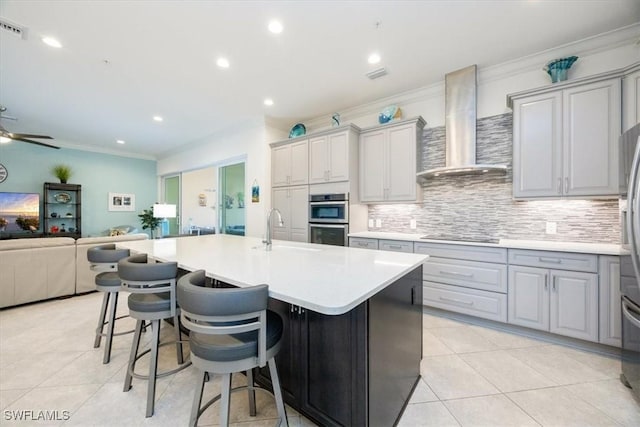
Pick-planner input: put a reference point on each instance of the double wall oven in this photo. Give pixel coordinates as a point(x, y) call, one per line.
point(329, 218)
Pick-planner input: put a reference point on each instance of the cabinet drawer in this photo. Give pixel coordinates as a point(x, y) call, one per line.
point(469, 274)
point(468, 253)
point(488, 305)
point(359, 242)
point(554, 260)
point(395, 245)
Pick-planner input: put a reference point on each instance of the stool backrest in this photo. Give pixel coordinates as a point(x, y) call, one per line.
point(105, 257)
point(141, 277)
point(224, 311)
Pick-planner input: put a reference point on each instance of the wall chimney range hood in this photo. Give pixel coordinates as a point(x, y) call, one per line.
point(460, 127)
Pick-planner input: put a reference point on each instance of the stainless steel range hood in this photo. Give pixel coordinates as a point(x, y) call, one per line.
point(460, 127)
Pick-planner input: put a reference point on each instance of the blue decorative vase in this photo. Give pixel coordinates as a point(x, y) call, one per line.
point(557, 69)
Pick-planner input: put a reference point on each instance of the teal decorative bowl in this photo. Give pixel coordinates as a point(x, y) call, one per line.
point(297, 130)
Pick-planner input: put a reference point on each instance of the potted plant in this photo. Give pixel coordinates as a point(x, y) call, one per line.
point(3, 223)
point(149, 221)
point(62, 172)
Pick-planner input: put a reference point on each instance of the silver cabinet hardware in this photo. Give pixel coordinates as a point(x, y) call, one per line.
point(566, 185)
point(457, 301)
point(546, 281)
point(551, 260)
point(455, 273)
point(559, 185)
point(554, 283)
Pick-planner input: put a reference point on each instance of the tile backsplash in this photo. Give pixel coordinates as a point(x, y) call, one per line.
point(481, 206)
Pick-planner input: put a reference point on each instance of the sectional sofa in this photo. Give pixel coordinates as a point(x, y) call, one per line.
point(42, 268)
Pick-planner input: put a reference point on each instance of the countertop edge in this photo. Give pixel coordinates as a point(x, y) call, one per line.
point(541, 245)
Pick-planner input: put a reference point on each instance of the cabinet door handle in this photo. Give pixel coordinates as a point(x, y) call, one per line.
point(455, 273)
point(457, 301)
point(566, 185)
point(546, 281)
point(394, 246)
point(554, 283)
point(559, 185)
point(551, 260)
point(413, 295)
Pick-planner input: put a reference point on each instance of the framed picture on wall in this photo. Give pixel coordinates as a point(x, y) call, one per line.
point(122, 202)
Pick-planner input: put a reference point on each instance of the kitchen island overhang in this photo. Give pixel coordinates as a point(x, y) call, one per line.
point(353, 318)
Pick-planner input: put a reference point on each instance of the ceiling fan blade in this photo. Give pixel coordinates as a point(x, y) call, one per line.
point(28, 135)
point(35, 142)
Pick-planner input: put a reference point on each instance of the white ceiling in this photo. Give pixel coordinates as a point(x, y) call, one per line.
point(124, 61)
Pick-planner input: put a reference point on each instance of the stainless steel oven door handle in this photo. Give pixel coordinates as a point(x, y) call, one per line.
point(340, 203)
point(326, 226)
point(629, 315)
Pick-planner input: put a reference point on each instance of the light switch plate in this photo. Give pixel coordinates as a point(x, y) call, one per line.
point(378, 223)
point(552, 227)
point(412, 224)
point(371, 223)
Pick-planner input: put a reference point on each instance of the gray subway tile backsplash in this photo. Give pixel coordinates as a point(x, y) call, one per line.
point(482, 206)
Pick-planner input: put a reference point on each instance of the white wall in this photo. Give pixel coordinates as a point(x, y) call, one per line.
point(196, 182)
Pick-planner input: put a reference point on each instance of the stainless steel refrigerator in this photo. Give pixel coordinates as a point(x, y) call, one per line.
point(630, 264)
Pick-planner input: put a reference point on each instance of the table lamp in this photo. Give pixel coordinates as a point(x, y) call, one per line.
point(164, 211)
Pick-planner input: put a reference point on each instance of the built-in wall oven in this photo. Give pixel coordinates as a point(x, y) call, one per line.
point(329, 218)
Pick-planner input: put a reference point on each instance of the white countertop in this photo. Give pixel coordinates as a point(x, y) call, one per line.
point(590, 248)
point(327, 279)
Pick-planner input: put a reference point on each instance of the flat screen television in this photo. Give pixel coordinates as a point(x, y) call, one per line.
point(19, 212)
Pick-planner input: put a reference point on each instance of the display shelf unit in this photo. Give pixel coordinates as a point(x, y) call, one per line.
point(62, 209)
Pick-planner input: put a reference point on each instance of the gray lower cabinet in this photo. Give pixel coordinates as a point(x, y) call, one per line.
point(459, 278)
point(559, 301)
point(610, 307)
point(364, 243)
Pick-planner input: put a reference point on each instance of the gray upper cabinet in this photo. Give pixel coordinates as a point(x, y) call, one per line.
point(333, 156)
point(631, 97)
point(388, 162)
point(565, 139)
point(290, 164)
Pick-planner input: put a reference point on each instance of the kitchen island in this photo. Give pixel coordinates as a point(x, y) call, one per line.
point(353, 319)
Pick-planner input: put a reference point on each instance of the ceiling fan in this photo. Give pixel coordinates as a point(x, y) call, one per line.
point(24, 137)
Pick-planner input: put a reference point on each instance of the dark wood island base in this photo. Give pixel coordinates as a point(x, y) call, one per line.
point(354, 369)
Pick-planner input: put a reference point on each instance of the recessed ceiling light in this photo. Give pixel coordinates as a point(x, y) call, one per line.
point(268, 102)
point(275, 27)
point(50, 41)
point(158, 118)
point(119, 141)
point(374, 58)
point(223, 62)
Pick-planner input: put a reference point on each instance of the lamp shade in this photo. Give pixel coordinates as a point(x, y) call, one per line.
point(161, 210)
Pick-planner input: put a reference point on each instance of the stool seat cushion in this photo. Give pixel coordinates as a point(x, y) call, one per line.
point(108, 278)
point(226, 348)
point(150, 303)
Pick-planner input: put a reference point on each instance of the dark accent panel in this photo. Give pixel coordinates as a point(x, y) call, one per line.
point(332, 393)
point(395, 347)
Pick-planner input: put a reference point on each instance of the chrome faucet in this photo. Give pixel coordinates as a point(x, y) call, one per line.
point(267, 241)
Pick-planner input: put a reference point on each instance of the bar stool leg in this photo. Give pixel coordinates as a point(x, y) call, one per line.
point(153, 367)
point(132, 356)
point(252, 393)
point(103, 313)
point(110, 327)
point(197, 401)
point(176, 326)
point(225, 399)
point(277, 392)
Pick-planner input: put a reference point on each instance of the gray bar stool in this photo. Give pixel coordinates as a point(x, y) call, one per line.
point(104, 259)
point(152, 299)
point(231, 330)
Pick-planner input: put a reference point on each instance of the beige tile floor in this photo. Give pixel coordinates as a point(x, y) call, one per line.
point(471, 376)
